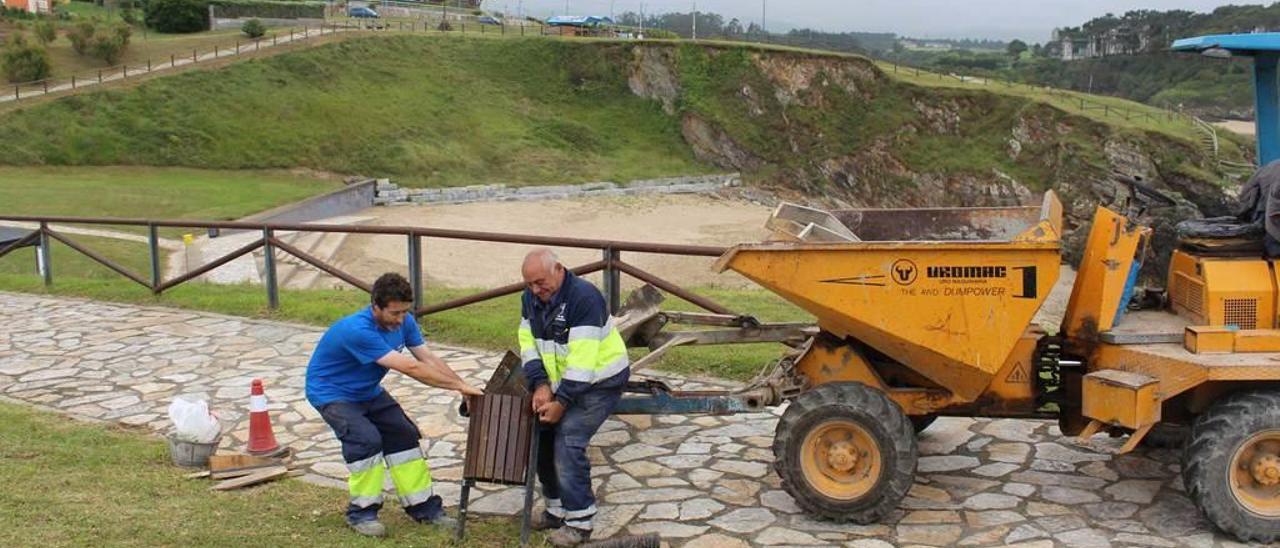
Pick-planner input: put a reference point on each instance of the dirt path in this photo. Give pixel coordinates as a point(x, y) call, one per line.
point(701, 220)
point(165, 243)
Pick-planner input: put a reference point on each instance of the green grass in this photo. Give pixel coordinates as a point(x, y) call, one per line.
point(441, 111)
point(151, 193)
point(64, 483)
point(487, 326)
point(71, 263)
point(1112, 111)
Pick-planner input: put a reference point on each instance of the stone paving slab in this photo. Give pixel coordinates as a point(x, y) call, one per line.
point(698, 481)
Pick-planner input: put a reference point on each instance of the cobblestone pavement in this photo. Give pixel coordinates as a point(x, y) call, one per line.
point(698, 481)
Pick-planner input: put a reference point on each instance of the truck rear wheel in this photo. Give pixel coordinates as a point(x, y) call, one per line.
point(1231, 465)
point(845, 452)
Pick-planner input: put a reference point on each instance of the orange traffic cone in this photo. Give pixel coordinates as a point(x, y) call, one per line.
point(262, 440)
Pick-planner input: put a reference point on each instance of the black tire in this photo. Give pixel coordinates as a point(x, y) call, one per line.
point(882, 420)
point(1166, 435)
point(1216, 436)
point(920, 423)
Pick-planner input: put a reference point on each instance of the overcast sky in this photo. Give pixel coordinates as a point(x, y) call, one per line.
point(1030, 20)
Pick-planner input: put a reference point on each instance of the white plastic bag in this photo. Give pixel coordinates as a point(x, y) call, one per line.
point(192, 421)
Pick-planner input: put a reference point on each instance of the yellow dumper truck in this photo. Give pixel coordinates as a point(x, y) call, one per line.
point(928, 312)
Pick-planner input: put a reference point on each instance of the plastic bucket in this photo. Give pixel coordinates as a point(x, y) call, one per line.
point(194, 455)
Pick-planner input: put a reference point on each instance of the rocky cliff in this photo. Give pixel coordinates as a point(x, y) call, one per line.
point(837, 131)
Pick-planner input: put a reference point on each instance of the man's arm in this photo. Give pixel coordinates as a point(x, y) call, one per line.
point(433, 373)
point(425, 355)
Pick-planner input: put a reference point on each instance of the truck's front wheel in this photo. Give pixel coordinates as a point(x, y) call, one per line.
point(845, 451)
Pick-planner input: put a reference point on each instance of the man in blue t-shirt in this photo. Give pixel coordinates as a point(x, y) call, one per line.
point(344, 384)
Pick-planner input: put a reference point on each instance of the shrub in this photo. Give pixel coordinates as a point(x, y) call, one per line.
point(177, 15)
point(23, 61)
point(46, 32)
point(253, 28)
point(109, 44)
point(129, 15)
point(444, 26)
point(81, 35)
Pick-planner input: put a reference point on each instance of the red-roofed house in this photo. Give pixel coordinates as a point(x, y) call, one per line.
point(33, 6)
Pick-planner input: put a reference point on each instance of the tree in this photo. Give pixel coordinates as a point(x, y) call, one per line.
point(253, 28)
point(1017, 48)
point(23, 61)
point(177, 16)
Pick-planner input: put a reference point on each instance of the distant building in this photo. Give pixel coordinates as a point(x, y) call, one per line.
point(33, 6)
point(1071, 46)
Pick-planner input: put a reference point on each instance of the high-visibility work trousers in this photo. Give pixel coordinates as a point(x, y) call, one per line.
point(378, 437)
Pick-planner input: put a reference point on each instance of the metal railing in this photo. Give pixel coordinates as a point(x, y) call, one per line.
point(611, 263)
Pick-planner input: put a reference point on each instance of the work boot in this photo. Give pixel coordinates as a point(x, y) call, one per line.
point(545, 521)
point(443, 520)
point(371, 528)
point(568, 536)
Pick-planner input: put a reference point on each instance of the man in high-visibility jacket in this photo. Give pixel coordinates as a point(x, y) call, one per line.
point(576, 365)
point(344, 384)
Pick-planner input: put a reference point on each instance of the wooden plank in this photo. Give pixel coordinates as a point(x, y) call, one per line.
point(196, 475)
point(473, 433)
point(237, 460)
point(486, 435)
point(268, 474)
point(495, 437)
point(503, 438)
point(508, 439)
point(513, 437)
point(483, 441)
point(237, 472)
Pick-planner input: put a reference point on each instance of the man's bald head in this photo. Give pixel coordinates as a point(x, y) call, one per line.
point(543, 273)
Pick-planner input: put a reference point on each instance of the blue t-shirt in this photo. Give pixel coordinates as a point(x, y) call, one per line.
point(344, 365)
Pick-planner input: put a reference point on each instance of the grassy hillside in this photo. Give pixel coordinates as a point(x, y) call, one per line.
point(426, 110)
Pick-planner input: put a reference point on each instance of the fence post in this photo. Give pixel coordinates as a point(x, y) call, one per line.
point(17, 92)
point(269, 268)
point(124, 70)
point(46, 261)
point(1106, 110)
point(46, 85)
point(173, 60)
point(153, 243)
point(194, 56)
point(612, 279)
point(257, 44)
point(73, 81)
point(415, 269)
point(237, 47)
point(99, 76)
point(148, 64)
point(215, 51)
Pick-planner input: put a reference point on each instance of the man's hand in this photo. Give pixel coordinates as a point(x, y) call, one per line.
point(541, 395)
point(468, 390)
point(551, 412)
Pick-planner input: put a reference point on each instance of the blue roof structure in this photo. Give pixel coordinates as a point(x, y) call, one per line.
point(578, 21)
point(1237, 44)
point(1264, 48)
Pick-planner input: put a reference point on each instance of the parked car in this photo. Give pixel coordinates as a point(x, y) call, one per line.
point(363, 12)
point(488, 20)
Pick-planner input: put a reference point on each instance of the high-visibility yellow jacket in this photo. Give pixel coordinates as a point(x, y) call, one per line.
point(570, 343)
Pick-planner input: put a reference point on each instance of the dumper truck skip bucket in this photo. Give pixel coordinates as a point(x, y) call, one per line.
point(947, 293)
